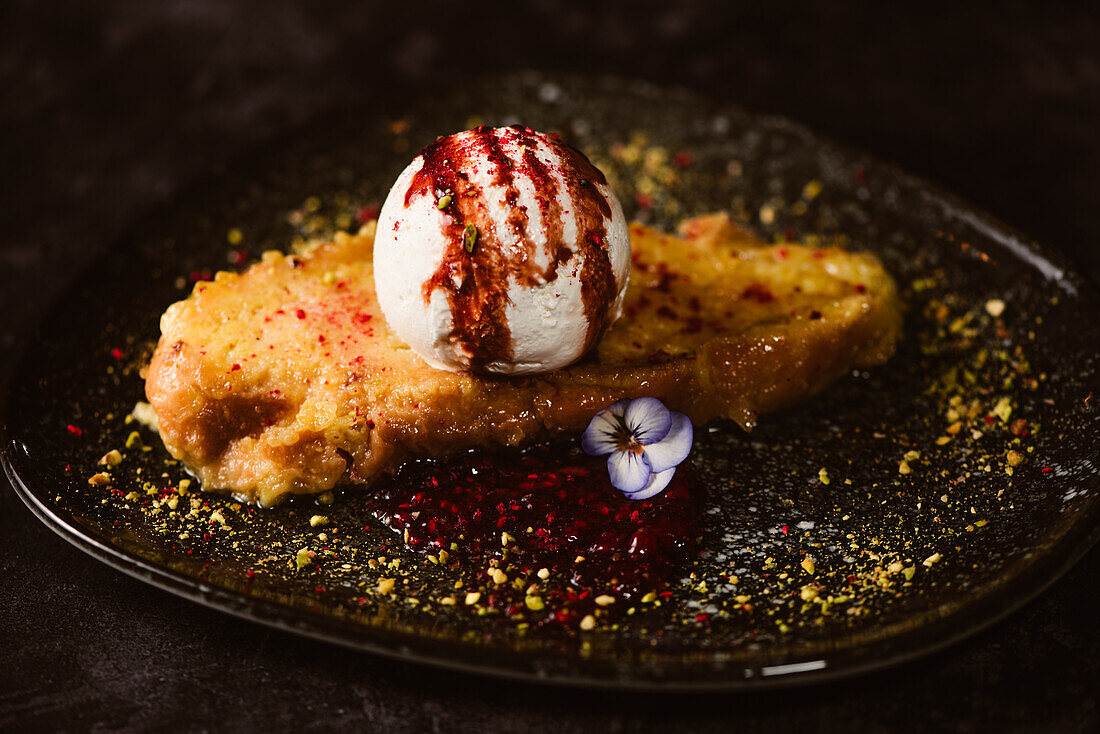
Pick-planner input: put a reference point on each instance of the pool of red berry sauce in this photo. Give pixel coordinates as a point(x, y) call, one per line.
point(556, 504)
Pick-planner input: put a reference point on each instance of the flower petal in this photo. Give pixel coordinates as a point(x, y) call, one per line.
point(656, 484)
point(674, 447)
point(618, 408)
point(647, 419)
point(600, 436)
point(629, 471)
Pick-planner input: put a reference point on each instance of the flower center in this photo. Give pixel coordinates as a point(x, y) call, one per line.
point(626, 441)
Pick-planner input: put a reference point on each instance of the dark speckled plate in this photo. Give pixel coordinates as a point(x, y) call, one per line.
point(897, 512)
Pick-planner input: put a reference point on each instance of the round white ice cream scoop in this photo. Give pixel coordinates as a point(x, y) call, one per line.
point(501, 251)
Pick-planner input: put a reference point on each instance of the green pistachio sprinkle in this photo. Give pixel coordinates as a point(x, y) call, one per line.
point(443, 203)
point(301, 558)
point(469, 240)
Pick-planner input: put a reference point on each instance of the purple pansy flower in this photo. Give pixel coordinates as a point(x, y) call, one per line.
point(646, 442)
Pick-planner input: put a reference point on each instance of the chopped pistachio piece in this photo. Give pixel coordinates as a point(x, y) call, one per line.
point(469, 238)
point(302, 558)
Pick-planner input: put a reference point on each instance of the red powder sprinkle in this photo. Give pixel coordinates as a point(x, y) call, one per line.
point(366, 213)
point(683, 159)
point(1048, 469)
point(116, 353)
point(781, 253)
point(301, 313)
point(860, 288)
point(235, 367)
point(758, 292)
point(664, 279)
point(644, 200)
point(785, 529)
point(74, 430)
point(320, 590)
point(240, 257)
point(250, 573)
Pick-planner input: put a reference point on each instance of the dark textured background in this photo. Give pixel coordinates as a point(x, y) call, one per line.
point(108, 109)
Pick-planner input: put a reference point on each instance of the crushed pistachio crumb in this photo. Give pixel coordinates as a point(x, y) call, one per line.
point(303, 557)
